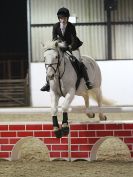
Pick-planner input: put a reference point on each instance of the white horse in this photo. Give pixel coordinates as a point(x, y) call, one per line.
point(62, 78)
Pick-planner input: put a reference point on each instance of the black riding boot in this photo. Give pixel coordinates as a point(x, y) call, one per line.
point(85, 76)
point(46, 87)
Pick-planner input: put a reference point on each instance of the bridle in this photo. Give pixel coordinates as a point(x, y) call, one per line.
point(52, 66)
point(58, 64)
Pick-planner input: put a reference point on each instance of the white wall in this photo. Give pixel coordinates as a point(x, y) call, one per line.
point(117, 83)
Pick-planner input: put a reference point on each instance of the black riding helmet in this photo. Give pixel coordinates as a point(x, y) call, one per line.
point(63, 12)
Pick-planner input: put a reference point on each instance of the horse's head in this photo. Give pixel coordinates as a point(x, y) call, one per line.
point(52, 58)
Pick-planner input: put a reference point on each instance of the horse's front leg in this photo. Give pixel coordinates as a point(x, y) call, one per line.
point(68, 99)
point(54, 111)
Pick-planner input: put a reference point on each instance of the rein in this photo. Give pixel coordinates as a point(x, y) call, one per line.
point(59, 78)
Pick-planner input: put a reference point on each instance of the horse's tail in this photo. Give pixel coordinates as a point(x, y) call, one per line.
point(105, 101)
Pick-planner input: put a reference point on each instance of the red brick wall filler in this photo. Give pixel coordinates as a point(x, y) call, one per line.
point(82, 143)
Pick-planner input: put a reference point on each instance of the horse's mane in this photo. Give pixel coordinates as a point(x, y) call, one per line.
point(50, 44)
point(54, 45)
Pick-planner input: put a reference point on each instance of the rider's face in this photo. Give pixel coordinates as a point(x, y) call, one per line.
point(63, 20)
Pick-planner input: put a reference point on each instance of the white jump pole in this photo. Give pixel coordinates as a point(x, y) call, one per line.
point(115, 109)
point(95, 109)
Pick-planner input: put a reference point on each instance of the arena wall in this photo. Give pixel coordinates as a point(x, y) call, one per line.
point(117, 84)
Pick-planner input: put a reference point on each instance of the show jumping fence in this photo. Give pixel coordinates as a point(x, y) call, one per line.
point(82, 142)
point(77, 109)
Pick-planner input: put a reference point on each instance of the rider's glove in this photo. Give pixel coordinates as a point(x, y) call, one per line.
point(67, 48)
point(70, 48)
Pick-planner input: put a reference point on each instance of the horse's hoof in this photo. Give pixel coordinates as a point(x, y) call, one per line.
point(57, 132)
point(65, 129)
point(103, 119)
point(91, 115)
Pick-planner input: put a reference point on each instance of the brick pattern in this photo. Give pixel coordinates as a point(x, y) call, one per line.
point(11, 133)
point(85, 136)
point(78, 145)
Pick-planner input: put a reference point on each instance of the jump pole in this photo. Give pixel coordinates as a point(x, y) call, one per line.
point(80, 109)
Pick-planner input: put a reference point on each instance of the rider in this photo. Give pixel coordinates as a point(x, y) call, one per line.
point(65, 31)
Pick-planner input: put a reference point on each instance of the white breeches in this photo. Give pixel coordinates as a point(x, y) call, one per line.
point(76, 53)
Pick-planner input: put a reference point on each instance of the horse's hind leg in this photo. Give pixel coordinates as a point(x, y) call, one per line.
point(99, 101)
point(86, 100)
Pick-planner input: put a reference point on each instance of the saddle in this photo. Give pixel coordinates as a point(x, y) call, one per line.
point(76, 65)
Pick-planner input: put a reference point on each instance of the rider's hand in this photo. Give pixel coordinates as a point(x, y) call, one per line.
point(64, 49)
point(67, 48)
point(70, 48)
